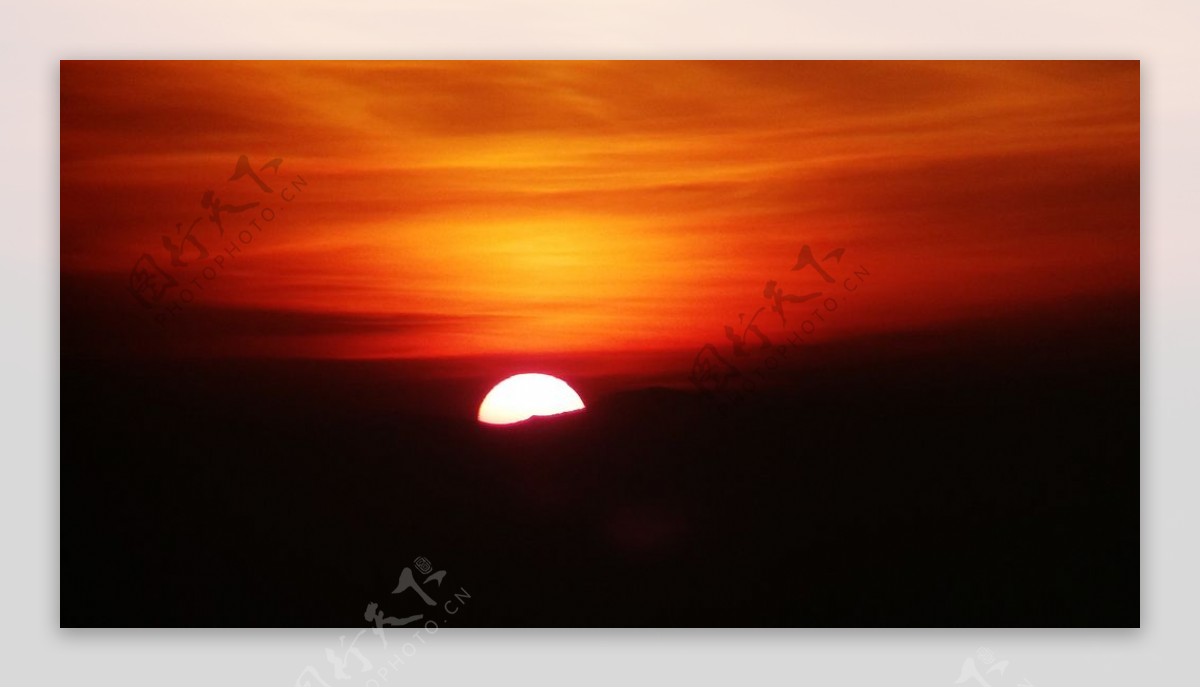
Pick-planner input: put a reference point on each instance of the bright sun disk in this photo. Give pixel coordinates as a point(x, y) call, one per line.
point(524, 396)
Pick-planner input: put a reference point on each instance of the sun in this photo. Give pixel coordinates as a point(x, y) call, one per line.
point(524, 396)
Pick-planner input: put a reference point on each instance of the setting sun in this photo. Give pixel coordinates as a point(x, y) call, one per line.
point(522, 397)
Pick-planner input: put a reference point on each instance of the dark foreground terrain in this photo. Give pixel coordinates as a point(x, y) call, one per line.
point(985, 480)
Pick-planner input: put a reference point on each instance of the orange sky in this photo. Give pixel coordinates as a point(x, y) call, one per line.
point(467, 208)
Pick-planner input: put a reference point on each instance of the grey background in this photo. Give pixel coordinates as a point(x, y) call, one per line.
point(34, 36)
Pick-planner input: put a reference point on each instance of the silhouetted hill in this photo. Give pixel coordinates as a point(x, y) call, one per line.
point(991, 486)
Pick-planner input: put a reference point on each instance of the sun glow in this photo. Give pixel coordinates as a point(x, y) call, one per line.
point(522, 397)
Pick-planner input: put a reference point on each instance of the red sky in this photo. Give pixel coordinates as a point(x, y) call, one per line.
point(486, 208)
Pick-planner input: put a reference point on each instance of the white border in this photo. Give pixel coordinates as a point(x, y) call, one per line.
point(34, 36)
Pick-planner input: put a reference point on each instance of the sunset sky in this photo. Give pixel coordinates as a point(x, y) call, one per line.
point(498, 312)
point(481, 208)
